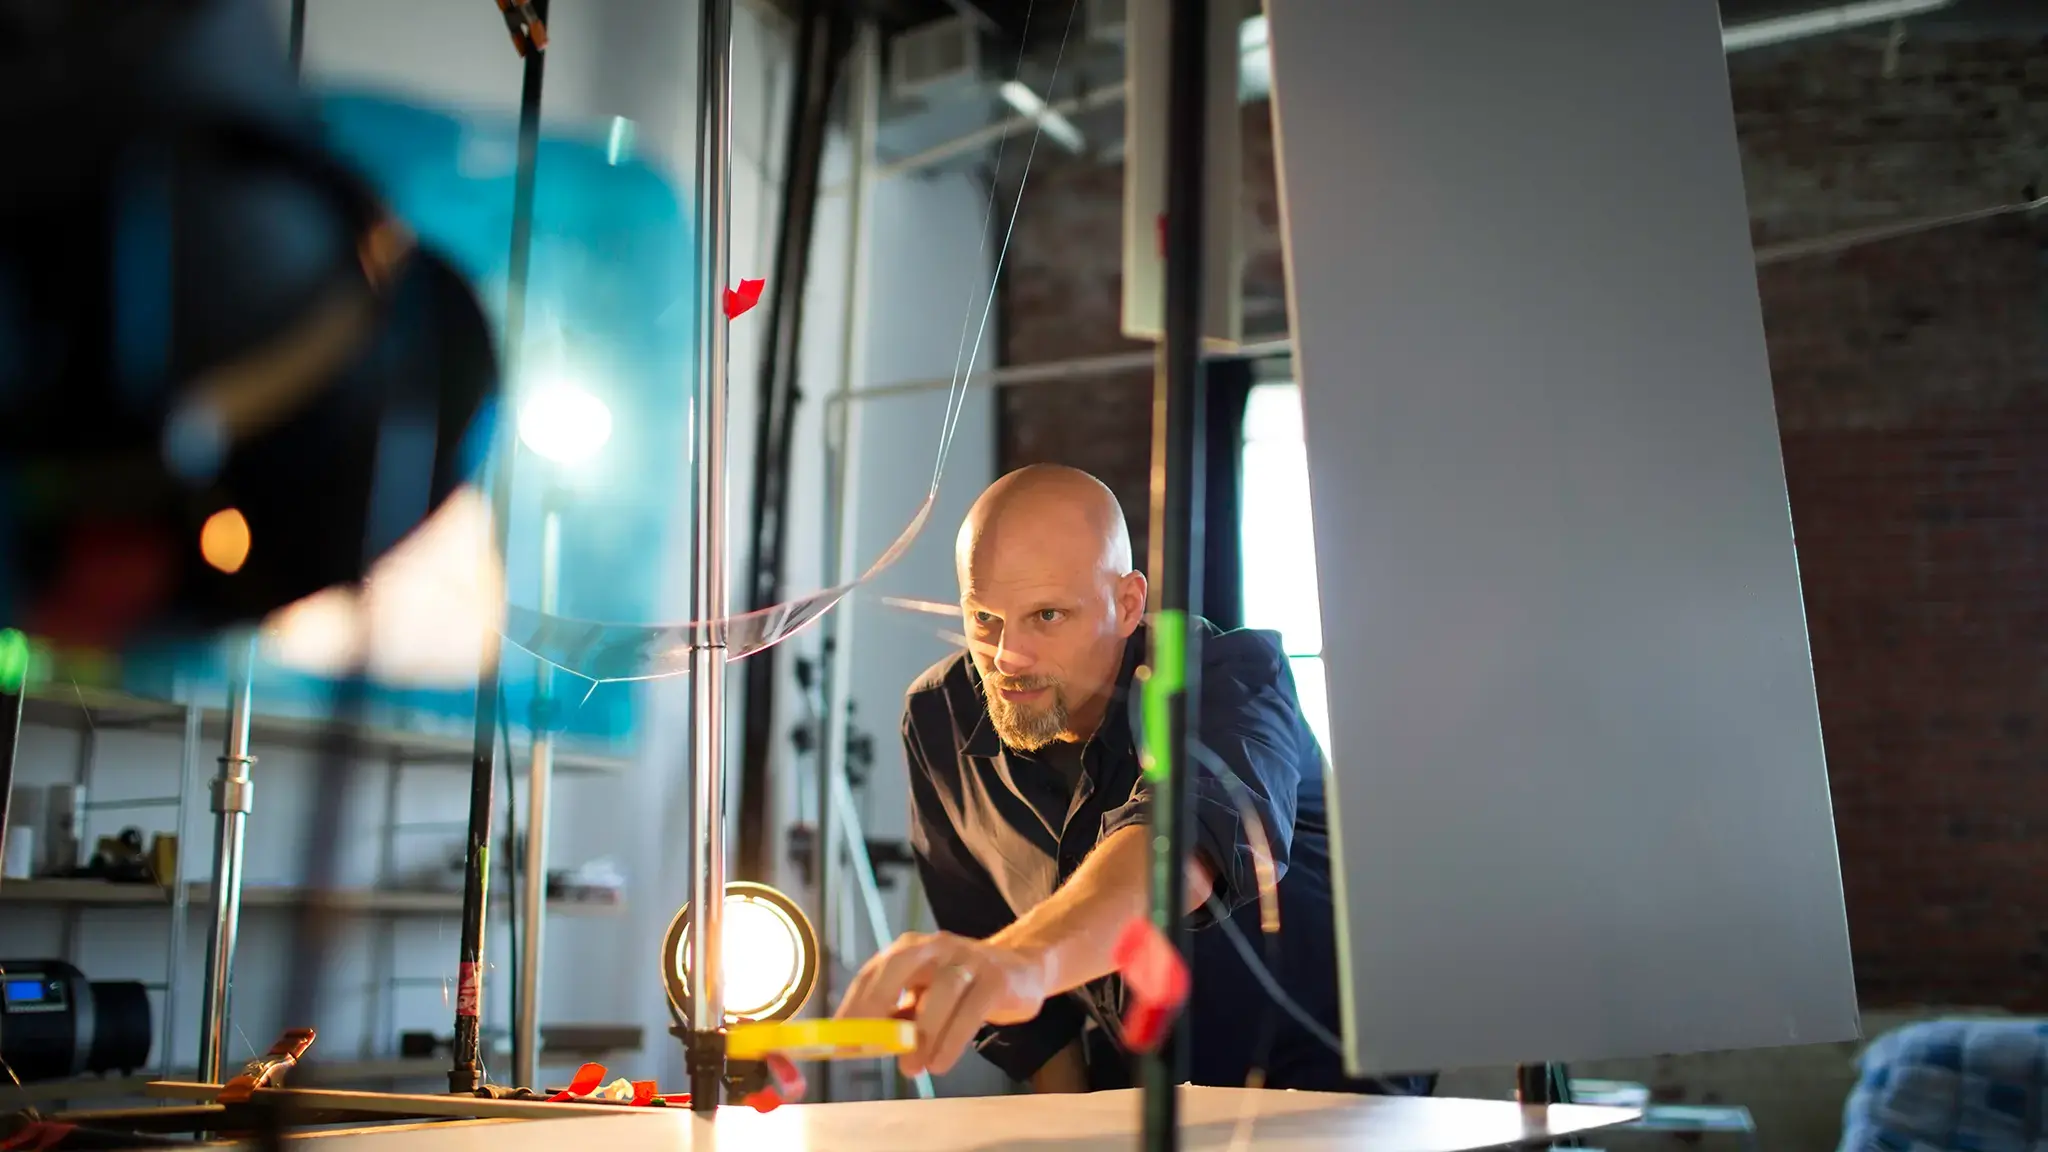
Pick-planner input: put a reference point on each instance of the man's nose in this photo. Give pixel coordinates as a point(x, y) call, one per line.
point(1010, 661)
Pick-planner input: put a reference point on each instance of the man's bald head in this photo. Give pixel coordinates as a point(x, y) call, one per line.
point(1048, 595)
point(1047, 504)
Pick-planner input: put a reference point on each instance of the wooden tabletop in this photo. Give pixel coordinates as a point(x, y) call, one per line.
point(1212, 1120)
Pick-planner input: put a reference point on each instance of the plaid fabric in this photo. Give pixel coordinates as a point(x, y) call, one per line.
point(1952, 1086)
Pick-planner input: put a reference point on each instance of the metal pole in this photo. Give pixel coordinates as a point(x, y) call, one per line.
point(706, 1050)
point(12, 704)
point(181, 897)
point(233, 798)
point(466, 1072)
point(295, 49)
point(1050, 372)
point(539, 776)
point(821, 52)
point(1174, 662)
point(842, 477)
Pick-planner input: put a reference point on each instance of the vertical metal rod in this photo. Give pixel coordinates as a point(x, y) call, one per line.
point(1174, 663)
point(466, 1073)
point(820, 54)
point(380, 1032)
point(11, 706)
point(706, 1056)
point(181, 896)
point(62, 857)
point(842, 478)
point(295, 49)
point(534, 866)
point(233, 799)
point(1541, 1085)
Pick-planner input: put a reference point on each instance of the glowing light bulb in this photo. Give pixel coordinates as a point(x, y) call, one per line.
point(764, 958)
point(224, 540)
point(564, 423)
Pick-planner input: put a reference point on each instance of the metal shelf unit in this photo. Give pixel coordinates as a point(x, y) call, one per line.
point(89, 711)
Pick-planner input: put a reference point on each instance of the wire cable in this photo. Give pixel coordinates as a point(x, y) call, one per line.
point(1213, 764)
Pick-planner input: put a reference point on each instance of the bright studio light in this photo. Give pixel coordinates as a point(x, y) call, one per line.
point(771, 956)
point(564, 423)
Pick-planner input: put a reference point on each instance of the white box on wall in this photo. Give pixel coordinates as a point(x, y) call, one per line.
point(1147, 27)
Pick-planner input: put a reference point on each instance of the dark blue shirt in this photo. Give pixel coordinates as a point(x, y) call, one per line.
point(996, 830)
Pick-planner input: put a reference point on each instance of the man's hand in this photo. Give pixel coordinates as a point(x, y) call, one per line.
point(949, 986)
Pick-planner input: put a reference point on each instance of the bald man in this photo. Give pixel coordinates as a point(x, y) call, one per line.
point(1028, 817)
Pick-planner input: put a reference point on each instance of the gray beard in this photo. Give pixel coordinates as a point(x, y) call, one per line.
point(1028, 731)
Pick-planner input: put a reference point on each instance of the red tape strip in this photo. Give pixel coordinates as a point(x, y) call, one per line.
point(1156, 977)
point(586, 1081)
point(742, 300)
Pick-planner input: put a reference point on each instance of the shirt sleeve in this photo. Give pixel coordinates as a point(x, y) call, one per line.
point(1249, 721)
point(965, 901)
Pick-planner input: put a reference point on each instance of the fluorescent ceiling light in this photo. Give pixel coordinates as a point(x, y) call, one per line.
point(1256, 67)
point(1821, 21)
point(1028, 104)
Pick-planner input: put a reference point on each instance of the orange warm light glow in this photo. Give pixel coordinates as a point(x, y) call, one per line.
point(224, 540)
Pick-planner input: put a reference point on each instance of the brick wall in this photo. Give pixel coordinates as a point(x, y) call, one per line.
point(1912, 382)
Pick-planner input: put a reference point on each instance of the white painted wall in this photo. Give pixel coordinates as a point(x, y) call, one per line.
point(632, 58)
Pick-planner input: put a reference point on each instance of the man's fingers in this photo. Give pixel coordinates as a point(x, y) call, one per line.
point(884, 979)
point(969, 1012)
point(955, 993)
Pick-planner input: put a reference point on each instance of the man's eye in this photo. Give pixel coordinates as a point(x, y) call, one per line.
point(1049, 615)
point(984, 618)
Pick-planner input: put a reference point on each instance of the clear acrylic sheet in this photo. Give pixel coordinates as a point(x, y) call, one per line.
point(602, 653)
point(608, 652)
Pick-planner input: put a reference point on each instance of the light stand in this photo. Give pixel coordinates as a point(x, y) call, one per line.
point(1541, 1085)
point(466, 1073)
point(567, 426)
point(234, 797)
point(14, 661)
point(705, 1048)
point(540, 771)
point(1172, 672)
point(1172, 675)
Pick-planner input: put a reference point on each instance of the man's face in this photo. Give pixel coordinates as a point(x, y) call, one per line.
point(1048, 627)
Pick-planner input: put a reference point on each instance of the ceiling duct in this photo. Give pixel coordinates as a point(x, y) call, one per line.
point(1105, 20)
point(936, 60)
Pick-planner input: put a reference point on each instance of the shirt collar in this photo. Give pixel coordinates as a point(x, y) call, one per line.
point(1116, 721)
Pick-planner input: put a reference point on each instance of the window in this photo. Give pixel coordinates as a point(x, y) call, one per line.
point(1280, 590)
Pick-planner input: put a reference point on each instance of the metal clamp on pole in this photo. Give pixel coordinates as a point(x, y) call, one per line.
point(234, 797)
point(705, 1049)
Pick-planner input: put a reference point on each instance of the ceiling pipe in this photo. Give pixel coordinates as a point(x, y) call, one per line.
point(1822, 22)
point(1734, 38)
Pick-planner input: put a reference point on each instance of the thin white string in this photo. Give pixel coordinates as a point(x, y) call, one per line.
point(955, 394)
point(1009, 231)
point(964, 358)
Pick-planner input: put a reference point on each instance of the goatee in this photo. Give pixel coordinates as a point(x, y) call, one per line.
point(1029, 727)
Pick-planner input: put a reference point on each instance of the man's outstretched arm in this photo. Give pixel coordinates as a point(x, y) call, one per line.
point(958, 984)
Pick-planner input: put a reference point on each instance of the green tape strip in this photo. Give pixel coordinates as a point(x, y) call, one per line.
point(1165, 678)
point(14, 661)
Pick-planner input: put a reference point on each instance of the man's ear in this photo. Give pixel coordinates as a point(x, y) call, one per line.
point(1130, 603)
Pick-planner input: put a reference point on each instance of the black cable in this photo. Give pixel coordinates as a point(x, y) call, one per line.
point(28, 1109)
point(1266, 980)
point(1261, 970)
